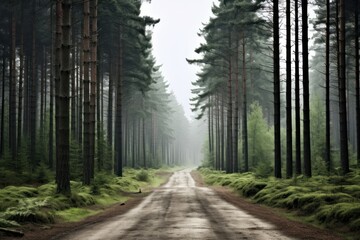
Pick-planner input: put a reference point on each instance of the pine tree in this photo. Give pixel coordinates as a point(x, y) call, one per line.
point(62, 158)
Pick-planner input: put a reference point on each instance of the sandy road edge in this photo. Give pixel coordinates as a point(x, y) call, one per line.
point(288, 227)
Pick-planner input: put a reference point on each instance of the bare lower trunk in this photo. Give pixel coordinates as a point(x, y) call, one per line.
point(344, 155)
point(229, 157)
point(118, 118)
point(86, 48)
point(297, 95)
point(289, 158)
point(12, 102)
point(62, 158)
point(327, 90)
point(94, 75)
point(357, 83)
point(245, 127)
point(277, 119)
point(33, 95)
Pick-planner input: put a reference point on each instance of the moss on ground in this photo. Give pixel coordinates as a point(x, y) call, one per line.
point(331, 202)
point(75, 214)
point(20, 204)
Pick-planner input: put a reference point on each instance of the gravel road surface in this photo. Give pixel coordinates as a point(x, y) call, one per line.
point(180, 210)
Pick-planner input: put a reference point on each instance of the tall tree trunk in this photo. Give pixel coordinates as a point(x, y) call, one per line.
point(73, 80)
point(357, 81)
point(344, 155)
point(62, 158)
point(327, 90)
point(127, 139)
point(212, 126)
point(21, 77)
point(98, 119)
point(218, 144)
point(133, 144)
point(3, 103)
point(209, 130)
point(27, 85)
point(110, 104)
point(144, 143)
point(58, 37)
point(42, 94)
point(86, 49)
point(118, 118)
point(229, 155)
point(12, 102)
point(298, 169)
point(277, 119)
point(94, 75)
point(289, 158)
point(33, 93)
point(222, 131)
point(245, 127)
point(306, 95)
point(236, 109)
point(138, 141)
point(81, 92)
point(51, 110)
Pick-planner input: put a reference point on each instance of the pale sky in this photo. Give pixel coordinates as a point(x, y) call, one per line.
point(175, 38)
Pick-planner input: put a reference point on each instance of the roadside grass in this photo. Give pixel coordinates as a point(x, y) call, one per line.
point(331, 202)
point(23, 204)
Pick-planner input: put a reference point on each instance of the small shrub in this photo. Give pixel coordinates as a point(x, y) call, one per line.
point(42, 174)
point(263, 170)
point(253, 188)
point(142, 176)
point(81, 199)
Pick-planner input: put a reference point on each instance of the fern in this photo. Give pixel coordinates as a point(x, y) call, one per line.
point(7, 223)
point(30, 210)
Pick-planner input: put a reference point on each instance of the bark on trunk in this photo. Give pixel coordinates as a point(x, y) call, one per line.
point(236, 110)
point(51, 110)
point(12, 100)
point(21, 80)
point(33, 94)
point(245, 127)
point(229, 157)
point(110, 104)
point(289, 159)
point(357, 81)
point(73, 81)
point(118, 119)
point(277, 134)
point(3, 103)
point(327, 90)
point(306, 95)
point(344, 155)
point(298, 169)
point(86, 49)
point(94, 75)
point(63, 173)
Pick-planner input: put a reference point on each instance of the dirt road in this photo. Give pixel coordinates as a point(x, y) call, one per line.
point(180, 210)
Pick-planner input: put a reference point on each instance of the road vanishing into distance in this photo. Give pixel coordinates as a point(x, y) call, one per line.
point(180, 210)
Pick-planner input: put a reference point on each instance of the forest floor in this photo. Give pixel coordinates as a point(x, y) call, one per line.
point(290, 228)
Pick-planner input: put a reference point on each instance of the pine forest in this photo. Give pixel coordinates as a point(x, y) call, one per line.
point(93, 127)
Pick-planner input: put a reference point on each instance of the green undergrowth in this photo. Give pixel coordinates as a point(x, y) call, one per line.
point(24, 204)
point(331, 202)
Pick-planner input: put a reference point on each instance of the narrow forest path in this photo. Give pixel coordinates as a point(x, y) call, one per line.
point(181, 210)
